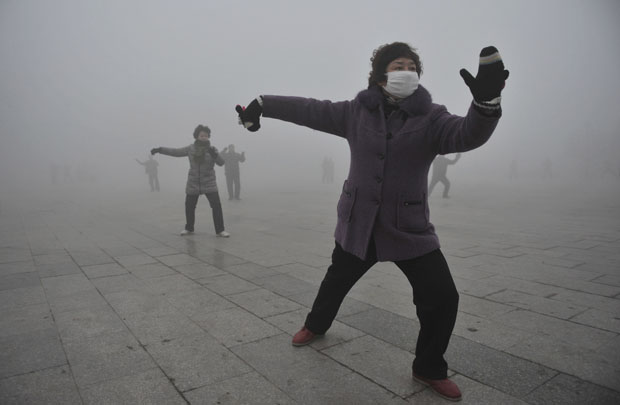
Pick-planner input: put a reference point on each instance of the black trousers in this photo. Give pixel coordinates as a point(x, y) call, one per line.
point(216, 207)
point(434, 295)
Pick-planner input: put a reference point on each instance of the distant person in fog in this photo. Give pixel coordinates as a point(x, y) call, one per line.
point(150, 167)
point(394, 131)
point(200, 179)
point(440, 171)
point(231, 171)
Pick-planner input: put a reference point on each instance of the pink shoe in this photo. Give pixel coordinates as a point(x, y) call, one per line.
point(303, 337)
point(444, 388)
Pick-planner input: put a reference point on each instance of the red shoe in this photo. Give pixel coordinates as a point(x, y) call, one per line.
point(303, 337)
point(444, 388)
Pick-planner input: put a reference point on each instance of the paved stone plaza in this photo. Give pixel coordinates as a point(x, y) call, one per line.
point(104, 303)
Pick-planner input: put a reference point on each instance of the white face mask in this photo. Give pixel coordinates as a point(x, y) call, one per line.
point(401, 83)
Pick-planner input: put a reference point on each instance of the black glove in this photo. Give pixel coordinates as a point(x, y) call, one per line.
point(155, 150)
point(249, 116)
point(212, 151)
point(491, 77)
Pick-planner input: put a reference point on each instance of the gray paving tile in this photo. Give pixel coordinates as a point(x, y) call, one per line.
point(394, 329)
point(86, 299)
point(195, 361)
point(235, 326)
point(497, 334)
point(382, 363)
point(12, 254)
point(220, 259)
point(19, 297)
point(169, 284)
point(251, 271)
point(474, 393)
point(19, 280)
point(86, 323)
point(599, 367)
point(562, 330)
point(31, 351)
point(568, 390)
point(589, 300)
point(278, 361)
point(157, 251)
point(45, 387)
point(134, 259)
point(499, 370)
point(91, 257)
point(285, 284)
point(537, 304)
point(178, 259)
point(159, 326)
point(197, 302)
point(251, 388)
point(196, 271)
point(599, 319)
point(120, 283)
point(57, 269)
point(227, 284)
point(151, 270)
point(147, 387)
point(138, 301)
point(483, 307)
point(263, 302)
point(17, 267)
point(25, 319)
point(66, 285)
point(103, 270)
point(106, 356)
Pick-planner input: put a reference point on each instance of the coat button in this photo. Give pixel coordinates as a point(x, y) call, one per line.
point(379, 179)
point(389, 135)
point(381, 156)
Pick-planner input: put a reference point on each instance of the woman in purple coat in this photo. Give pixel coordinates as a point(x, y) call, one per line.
point(394, 131)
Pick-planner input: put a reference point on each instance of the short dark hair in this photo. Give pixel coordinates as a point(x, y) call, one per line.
point(383, 55)
point(201, 128)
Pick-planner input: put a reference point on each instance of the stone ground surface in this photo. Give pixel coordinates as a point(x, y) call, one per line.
point(104, 303)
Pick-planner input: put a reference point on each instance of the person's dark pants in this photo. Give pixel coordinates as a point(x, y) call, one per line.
point(154, 182)
point(216, 208)
point(233, 184)
point(434, 295)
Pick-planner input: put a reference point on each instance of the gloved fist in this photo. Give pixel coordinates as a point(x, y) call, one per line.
point(213, 151)
point(249, 116)
point(155, 150)
point(491, 77)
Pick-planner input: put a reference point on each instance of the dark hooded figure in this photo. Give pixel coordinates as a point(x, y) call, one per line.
point(200, 178)
point(394, 131)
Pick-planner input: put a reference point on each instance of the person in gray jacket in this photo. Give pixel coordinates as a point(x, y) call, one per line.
point(200, 178)
point(394, 132)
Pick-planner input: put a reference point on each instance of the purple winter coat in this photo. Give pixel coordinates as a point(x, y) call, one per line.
point(385, 194)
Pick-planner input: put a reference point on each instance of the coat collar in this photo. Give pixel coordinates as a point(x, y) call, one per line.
point(419, 103)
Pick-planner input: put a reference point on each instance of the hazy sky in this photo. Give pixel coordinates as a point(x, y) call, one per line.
point(99, 83)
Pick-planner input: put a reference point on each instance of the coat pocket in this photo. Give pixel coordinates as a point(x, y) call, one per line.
point(411, 212)
point(346, 202)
